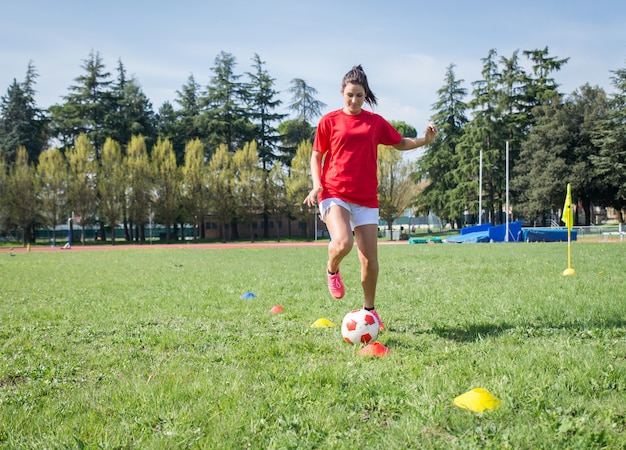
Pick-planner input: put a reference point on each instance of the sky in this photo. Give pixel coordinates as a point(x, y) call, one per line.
point(405, 46)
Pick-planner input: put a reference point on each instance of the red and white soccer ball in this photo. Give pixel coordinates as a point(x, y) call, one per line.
point(359, 327)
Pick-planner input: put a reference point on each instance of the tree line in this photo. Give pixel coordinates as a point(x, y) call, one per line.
point(554, 139)
point(111, 158)
point(224, 150)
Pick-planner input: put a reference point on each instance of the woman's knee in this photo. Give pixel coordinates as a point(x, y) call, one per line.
point(370, 264)
point(342, 244)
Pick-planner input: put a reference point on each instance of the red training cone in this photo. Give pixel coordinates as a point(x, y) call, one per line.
point(374, 349)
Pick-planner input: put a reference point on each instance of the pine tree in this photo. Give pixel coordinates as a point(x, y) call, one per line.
point(292, 133)
point(131, 112)
point(303, 101)
point(87, 106)
point(542, 88)
point(262, 102)
point(225, 116)
point(166, 121)
point(22, 123)
point(610, 163)
point(186, 124)
point(589, 107)
point(438, 166)
point(542, 170)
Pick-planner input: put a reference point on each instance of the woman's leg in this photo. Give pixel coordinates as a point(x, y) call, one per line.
point(337, 221)
point(367, 243)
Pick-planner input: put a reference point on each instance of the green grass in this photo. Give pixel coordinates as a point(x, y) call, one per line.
point(154, 348)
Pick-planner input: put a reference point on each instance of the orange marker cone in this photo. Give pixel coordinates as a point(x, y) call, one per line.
point(374, 349)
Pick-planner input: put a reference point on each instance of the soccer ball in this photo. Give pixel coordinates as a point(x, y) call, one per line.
point(359, 327)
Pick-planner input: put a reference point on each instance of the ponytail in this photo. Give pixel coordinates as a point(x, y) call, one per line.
point(357, 76)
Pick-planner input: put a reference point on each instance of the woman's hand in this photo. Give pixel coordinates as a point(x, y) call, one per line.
point(430, 134)
point(311, 199)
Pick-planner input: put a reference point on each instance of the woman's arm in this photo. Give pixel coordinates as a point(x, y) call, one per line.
point(412, 143)
point(316, 176)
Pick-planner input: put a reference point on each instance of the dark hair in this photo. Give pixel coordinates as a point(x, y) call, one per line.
point(357, 76)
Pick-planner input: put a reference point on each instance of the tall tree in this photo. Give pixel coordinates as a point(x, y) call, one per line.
point(131, 112)
point(610, 163)
point(52, 173)
point(439, 163)
point(86, 107)
point(560, 150)
point(225, 115)
point(112, 182)
point(4, 193)
point(21, 195)
point(588, 107)
point(221, 194)
point(263, 102)
point(542, 87)
point(276, 199)
point(249, 180)
point(195, 186)
point(167, 127)
point(187, 123)
point(487, 134)
point(22, 123)
point(139, 195)
point(167, 185)
point(81, 184)
point(542, 172)
point(303, 101)
point(514, 107)
point(299, 186)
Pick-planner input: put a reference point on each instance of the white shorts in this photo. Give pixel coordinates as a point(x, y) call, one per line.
point(359, 215)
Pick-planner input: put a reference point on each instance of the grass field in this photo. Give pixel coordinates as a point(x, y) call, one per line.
point(155, 348)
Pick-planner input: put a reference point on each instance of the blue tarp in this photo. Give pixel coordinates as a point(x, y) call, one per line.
point(476, 228)
point(488, 233)
point(470, 238)
point(498, 232)
point(546, 235)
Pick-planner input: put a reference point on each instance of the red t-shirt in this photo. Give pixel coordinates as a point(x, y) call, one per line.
point(350, 144)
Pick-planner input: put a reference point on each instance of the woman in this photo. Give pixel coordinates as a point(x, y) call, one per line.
point(346, 184)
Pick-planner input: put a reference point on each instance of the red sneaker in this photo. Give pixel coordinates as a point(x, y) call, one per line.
point(335, 285)
point(381, 326)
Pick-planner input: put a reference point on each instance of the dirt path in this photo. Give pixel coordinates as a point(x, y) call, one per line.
point(79, 247)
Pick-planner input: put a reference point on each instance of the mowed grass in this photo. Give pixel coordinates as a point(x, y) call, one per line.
point(155, 348)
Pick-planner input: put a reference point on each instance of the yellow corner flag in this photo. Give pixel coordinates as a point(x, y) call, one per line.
point(568, 217)
point(568, 220)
